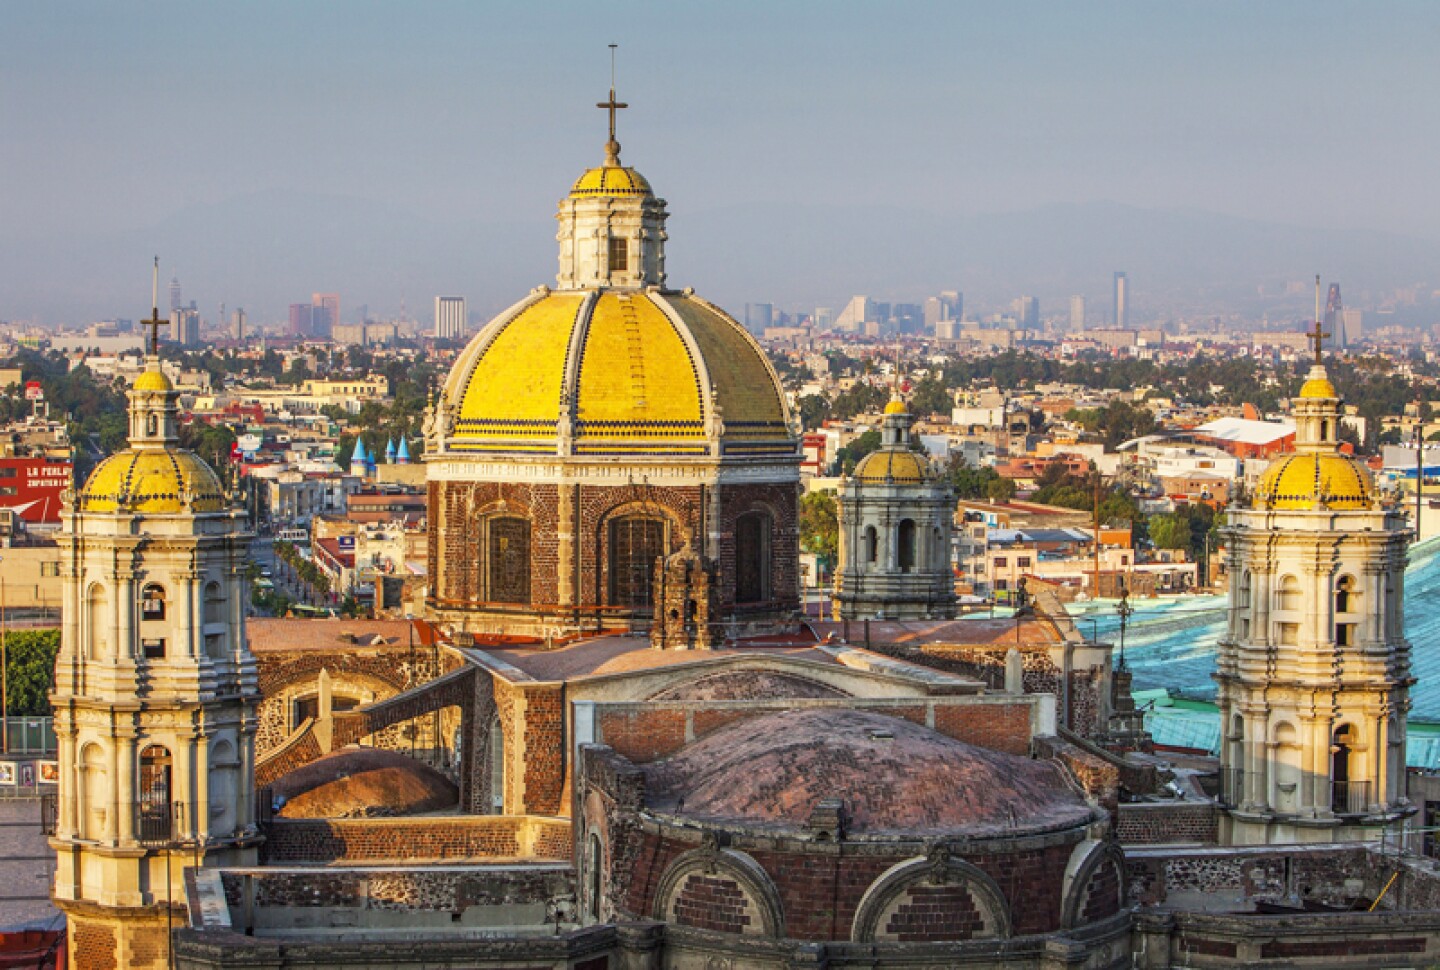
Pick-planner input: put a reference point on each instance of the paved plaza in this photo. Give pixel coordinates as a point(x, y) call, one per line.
point(27, 864)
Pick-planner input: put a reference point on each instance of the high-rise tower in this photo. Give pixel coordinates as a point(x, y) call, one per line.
point(1314, 669)
point(155, 688)
point(449, 317)
point(1122, 301)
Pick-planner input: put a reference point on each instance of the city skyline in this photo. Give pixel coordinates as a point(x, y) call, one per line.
point(255, 176)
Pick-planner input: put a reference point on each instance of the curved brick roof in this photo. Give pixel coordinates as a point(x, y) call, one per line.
point(897, 779)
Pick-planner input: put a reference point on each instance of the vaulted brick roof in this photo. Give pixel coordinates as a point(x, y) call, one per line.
point(896, 778)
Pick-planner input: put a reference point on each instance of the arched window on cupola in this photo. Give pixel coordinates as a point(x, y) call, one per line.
point(1347, 604)
point(905, 537)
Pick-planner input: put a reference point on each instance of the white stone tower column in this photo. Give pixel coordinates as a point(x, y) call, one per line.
point(155, 689)
point(1314, 668)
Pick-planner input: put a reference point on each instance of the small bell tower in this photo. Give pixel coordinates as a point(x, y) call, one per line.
point(1313, 672)
point(155, 688)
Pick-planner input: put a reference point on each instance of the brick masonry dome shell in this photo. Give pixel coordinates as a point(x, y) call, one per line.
point(897, 779)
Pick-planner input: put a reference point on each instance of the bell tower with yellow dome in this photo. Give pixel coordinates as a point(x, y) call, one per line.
point(594, 429)
point(1314, 668)
point(155, 689)
point(896, 518)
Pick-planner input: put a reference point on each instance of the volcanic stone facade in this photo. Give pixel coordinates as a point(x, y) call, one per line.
point(574, 528)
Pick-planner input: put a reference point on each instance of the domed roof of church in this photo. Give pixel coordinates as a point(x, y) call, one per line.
point(1318, 387)
point(896, 778)
point(153, 380)
point(611, 180)
point(892, 464)
point(623, 371)
point(152, 480)
point(1315, 480)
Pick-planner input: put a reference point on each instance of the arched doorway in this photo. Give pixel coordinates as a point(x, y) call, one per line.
point(1347, 795)
point(752, 558)
point(636, 541)
point(154, 810)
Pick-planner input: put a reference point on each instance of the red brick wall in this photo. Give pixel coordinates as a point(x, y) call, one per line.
point(819, 893)
point(1158, 823)
point(648, 733)
point(933, 914)
point(545, 767)
point(456, 511)
point(714, 903)
point(999, 727)
point(1102, 893)
point(93, 945)
point(657, 729)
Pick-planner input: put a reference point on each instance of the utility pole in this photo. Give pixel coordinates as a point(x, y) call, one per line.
point(1097, 535)
point(1419, 473)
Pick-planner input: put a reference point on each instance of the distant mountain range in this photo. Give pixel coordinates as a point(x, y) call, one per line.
point(268, 250)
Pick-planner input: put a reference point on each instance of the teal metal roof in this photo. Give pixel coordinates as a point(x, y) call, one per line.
point(1170, 646)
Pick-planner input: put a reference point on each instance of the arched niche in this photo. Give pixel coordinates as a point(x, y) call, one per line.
point(901, 905)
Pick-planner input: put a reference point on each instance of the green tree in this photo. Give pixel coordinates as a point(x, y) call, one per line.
point(930, 396)
point(1170, 531)
point(814, 409)
point(849, 456)
point(820, 525)
point(29, 670)
point(1000, 489)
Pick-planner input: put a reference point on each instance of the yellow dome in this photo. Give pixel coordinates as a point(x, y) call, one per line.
point(895, 465)
point(896, 406)
point(151, 480)
point(153, 380)
point(611, 180)
point(1309, 481)
point(1318, 387)
point(633, 373)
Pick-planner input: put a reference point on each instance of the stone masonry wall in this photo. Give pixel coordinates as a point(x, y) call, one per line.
point(443, 838)
point(452, 890)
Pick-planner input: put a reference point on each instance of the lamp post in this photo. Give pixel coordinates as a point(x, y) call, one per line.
point(4, 677)
point(1123, 610)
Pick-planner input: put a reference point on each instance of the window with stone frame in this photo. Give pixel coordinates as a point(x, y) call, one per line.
point(752, 558)
point(619, 254)
point(508, 560)
point(152, 602)
point(636, 541)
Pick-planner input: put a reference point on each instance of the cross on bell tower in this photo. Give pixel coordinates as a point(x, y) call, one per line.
point(1317, 337)
point(612, 147)
point(152, 347)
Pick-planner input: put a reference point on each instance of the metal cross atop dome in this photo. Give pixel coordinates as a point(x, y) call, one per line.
point(154, 323)
point(1318, 336)
point(612, 147)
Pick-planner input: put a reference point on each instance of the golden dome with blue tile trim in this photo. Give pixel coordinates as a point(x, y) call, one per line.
point(616, 372)
point(153, 481)
point(611, 180)
point(1315, 481)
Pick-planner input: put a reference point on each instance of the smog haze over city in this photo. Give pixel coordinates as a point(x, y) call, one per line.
point(1217, 151)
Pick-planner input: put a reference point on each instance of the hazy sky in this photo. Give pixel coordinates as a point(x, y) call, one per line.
point(117, 116)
